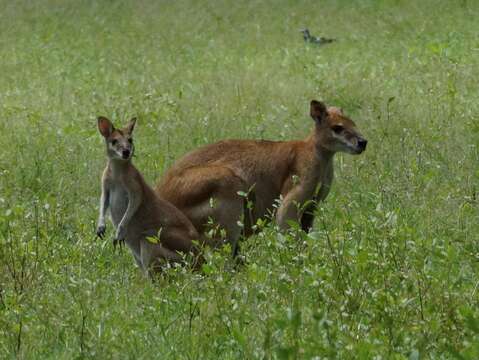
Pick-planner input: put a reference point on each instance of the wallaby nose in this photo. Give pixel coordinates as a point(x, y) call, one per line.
point(362, 144)
point(125, 154)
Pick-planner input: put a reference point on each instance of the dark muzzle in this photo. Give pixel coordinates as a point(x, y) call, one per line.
point(125, 154)
point(362, 144)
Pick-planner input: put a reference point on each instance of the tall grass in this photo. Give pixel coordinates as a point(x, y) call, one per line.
point(390, 270)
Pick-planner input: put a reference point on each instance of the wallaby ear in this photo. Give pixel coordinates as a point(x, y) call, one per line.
point(105, 126)
point(318, 111)
point(131, 126)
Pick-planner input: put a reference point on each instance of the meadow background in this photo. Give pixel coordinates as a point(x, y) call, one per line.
point(391, 268)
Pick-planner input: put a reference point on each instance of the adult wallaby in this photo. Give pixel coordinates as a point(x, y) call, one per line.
point(290, 170)
point(137, 212)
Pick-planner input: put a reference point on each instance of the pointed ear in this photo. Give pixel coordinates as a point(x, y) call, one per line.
point(130, 126)
point(105, 126)
point(318, 111)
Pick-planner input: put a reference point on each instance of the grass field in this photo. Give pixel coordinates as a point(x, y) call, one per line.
point(391, 268)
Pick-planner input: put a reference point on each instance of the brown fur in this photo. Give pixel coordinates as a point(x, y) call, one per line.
point(273, 169)
point(137, 211)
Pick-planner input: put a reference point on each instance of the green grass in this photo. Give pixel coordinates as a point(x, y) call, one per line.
point(391, 268)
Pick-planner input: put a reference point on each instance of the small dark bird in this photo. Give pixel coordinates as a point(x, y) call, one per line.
point(315, 40)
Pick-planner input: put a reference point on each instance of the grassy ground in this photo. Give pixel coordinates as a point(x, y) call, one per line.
point(391, 268)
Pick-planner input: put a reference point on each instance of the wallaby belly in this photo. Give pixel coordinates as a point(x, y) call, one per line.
point(119, 203)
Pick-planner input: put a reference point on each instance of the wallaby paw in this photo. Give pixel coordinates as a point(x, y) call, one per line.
point(100, 231)
point(119, 242)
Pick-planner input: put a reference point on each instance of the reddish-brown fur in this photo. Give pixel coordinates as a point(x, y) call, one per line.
point(291, 170)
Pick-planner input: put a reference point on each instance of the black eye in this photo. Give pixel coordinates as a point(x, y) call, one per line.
point(337, 128)
point(130, 140)
point(114, 142)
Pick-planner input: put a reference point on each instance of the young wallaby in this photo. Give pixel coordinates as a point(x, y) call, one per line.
point(292, 170)
point(137, 212)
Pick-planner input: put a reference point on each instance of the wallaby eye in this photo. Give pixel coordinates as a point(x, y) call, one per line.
point(130, 140)
point(114, 142)
point(337, 128)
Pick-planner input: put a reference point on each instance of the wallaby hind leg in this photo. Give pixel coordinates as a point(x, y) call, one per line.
point(215, 199)
point(217, 218)
point(228, 210)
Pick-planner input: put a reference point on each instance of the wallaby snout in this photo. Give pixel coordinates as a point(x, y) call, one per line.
point(362, 144)
point(126, 154)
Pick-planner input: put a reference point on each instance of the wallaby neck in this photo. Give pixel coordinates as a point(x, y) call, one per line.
point(322, 155)
point(118, 167)
point(324, 164)
point(321, 160)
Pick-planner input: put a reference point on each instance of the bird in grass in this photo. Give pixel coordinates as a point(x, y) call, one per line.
point(314, 39)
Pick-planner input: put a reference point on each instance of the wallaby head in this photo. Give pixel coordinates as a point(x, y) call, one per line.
point(119, 142)
point(334, 131)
